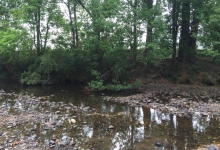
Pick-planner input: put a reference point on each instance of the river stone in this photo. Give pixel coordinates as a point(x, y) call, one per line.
point(204, 114)
point(57, 112)
point(211, 147)
point(52, 145)
point(111, 127)
point(158, 144)
point(149, 101)
point(52, 142)
point(61, 143)
point(1, 148)
point(73, 121)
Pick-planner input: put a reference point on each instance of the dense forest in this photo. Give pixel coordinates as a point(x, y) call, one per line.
point(99, 42)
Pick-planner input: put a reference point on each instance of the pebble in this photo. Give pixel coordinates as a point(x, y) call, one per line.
point(111, 127)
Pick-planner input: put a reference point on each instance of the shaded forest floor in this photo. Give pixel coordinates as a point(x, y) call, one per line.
point(203, 72)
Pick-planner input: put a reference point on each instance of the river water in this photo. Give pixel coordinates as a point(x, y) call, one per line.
point(133, 128)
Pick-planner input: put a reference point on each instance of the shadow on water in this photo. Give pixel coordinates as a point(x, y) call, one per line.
point(105, 125)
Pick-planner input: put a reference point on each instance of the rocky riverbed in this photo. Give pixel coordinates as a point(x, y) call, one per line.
point(180, 100)
point(23, 117)
point(37, 123)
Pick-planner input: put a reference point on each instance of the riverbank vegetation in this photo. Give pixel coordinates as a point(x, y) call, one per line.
point(106, 44)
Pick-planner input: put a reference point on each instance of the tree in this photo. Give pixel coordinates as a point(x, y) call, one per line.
point(174, 28)
point(184, 49)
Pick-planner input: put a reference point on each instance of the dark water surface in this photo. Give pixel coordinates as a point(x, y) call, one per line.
point(136, 128)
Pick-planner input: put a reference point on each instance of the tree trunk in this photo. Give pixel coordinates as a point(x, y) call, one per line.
point(73, 43)
point(47, 32)
point(175, 15)
point(149, 36)
point(37, 19)
point(135, 32)
point(194, 32)
point(184, 49)
point(75, 21)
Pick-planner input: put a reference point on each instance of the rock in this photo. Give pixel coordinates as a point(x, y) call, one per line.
point(52, 145)
point(204, 114)
point(154, 107)
point(111, 127)
point(57, 112)
point(158, 144)
point(72, 143)
point(211, 147)
point(1, 148)
point(197, 114)
point(52, 142)
point(72, 120)
point(190, 109)
point(149, 100)
point(61, 143)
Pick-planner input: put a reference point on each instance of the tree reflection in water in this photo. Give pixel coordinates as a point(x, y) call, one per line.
point(157, 116)
point(200, 123)
point(135, 127)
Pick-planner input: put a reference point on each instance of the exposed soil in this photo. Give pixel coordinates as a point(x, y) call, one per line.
point(203, 72)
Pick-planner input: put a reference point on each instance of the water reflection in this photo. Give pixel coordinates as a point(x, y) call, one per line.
point(88, 131)
point(157, 116)
point(200, 123)
point(134, 126)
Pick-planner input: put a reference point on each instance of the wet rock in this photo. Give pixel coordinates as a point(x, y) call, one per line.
point(111, 127)
point(204, 114)
point(2, 91)
point(57, 112)
point(72, 120)
point(210, 147)
point(61, 143)
point(52, 145)
point(72, 143)
point(52, 142)
point(149, 100)
point(159, 144)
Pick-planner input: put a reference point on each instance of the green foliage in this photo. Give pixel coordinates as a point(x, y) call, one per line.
point(3, 73)
point(53, 66)
point(211, 26)
point(97, 41)
point(214, 54)
point(98, 84)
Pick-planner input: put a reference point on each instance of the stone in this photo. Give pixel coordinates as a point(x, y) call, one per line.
point(210, 147)
point(111, 127)
point(62, 144)
point(52, 142)
point(158, 144)
point(73, 120)
point(204, 114)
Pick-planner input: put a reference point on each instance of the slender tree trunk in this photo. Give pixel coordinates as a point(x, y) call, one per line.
point(194, 32)
point(149, 36)
point(37, 19)
point(131, 41)
point(47, 32)
point(175, 15)
point(75, 21)
point(184, 35)
point(135, 32)
point(73, 43)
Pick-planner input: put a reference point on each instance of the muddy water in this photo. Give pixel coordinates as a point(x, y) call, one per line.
point(102, 125)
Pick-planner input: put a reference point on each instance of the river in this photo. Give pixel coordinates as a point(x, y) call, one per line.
point(100, 125)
